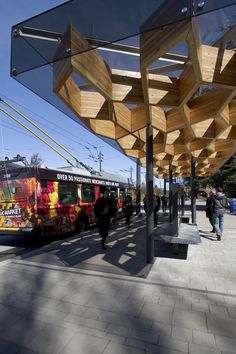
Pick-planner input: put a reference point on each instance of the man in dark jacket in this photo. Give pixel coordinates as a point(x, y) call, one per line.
point(219, 205)
point(103, 210)
point(209, 209)
point(128, 209)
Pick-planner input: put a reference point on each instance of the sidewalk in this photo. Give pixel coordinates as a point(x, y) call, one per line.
point(181, 306)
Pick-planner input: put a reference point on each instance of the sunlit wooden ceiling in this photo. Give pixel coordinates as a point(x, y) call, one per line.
point(193, 113)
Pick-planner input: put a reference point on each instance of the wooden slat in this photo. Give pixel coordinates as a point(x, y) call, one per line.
point(89, 65)
point(138, 118)
point(195, 47)
point(93, 105)
point(219, 66)
point(122, 116)
point(166, 68)
point(188, 84)
point(232, 113)
point(154, 44)
point(208, 105)
point(158, 118)
point(174, 120)
point(70, 94)
point(101, 127)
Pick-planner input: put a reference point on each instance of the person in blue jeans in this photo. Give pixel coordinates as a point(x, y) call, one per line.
point(219, 206)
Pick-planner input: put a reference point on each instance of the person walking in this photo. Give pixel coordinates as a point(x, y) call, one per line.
point(219, 205)
point(209, 209)
point(164, 203)
point(156, 206)
point(128, 209)
point(103, 210)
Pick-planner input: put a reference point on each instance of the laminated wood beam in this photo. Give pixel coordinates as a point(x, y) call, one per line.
point(70, 94)
point(138, 118)
point(188, 84)
point(122, 116)
point(93, 105)
point(208, 105)
point(232, 113)
point(101, 127)
point(158, 118)
point(174, 120)
point(195, 47)
point(89, 65)
point(155, 43)
point(219, 66)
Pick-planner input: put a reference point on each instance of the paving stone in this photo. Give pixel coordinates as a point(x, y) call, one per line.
point(172, 343)
point(92, 313)
point(184, 334)
point(51, 339)
point(103, 334)
point(148, 337)
point(225, 343)
point(157, 312)
point(116, 348)
point(232, 312)
point(219, 311)
point(84, 344)
point(200, 307)
point(95, 324)
point(151, 298)
point(189, 319)
point(159, 328)
point(157, 349)
point(77, 320)
point(68, 307)
point(221, 326)
point(133, 322)
point(135, 343)
point(201, 349)
point(204, 338)
point(107, 316)
point(167, 301)
point(118, 329)
point(183, 305)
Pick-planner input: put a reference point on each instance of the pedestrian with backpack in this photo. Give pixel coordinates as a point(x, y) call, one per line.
point(220, 204)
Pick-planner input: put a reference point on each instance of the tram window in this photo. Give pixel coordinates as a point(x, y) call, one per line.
point(87, 193)
point(16, 190)
point(67, 193)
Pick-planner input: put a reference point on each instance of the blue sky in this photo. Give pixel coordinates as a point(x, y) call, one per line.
point(14, 139)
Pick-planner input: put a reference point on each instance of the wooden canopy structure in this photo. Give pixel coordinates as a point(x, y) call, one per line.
point(190, 102)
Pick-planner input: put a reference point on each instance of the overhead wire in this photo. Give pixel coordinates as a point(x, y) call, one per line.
point(37, 136)
point(40, 129)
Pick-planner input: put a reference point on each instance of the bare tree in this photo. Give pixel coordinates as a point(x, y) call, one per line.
point(36, 160)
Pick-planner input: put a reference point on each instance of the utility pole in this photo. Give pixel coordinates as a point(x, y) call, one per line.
point(100, 159)
point(130, 170)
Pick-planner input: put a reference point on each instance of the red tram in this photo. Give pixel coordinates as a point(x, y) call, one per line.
point(44, 201)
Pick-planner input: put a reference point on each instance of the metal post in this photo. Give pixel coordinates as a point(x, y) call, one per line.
point(149, 194)
point(182, 203)
point(164, 187)
point(138, 187)
point(193, 192)
point(170, 191)
point(100, 161)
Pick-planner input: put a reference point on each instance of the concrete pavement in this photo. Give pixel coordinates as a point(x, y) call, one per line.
point(50, 305)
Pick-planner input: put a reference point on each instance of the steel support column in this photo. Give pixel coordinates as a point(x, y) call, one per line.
point(193, 191)
point(170, 192)
point(164, 192)
point(138, 188)
point(149, 194)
